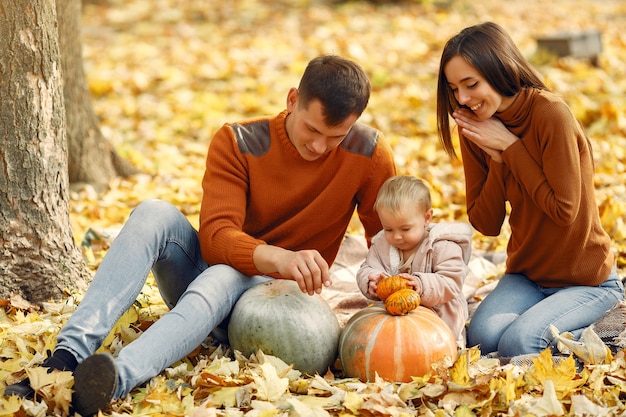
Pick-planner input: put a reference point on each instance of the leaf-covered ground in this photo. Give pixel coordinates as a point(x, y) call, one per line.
point(165, 74)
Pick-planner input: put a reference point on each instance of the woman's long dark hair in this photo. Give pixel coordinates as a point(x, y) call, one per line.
point(489, 49)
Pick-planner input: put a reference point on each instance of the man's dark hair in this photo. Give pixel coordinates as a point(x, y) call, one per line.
point(341, 86)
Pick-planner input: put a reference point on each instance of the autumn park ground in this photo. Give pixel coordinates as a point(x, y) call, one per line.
point(165, 74)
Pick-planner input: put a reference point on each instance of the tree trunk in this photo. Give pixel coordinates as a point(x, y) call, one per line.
point(38, 255)
point(92, 159)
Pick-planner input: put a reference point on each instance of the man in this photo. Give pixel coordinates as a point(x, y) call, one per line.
point(279, 193)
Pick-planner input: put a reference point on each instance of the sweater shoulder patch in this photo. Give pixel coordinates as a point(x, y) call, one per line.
point(361, 140)
point(252, 138)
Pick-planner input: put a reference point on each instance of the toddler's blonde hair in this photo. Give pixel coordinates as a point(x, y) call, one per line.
point(401, 192)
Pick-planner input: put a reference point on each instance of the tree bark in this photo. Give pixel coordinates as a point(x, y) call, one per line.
point(91, 159)
point(39, 258)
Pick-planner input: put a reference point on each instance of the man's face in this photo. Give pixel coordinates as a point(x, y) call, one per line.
point(309, 133)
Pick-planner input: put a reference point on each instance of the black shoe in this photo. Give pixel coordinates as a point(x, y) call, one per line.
point(95, 381)
point(21, 389)
point(61, 360)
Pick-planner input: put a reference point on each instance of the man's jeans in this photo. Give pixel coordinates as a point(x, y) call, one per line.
point(157, 236)
point(515, 318)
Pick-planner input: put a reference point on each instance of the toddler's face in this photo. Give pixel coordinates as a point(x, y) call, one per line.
point(405, 229)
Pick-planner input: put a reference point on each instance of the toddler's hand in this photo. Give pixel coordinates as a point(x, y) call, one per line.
point(373, 284)
point(412, 281)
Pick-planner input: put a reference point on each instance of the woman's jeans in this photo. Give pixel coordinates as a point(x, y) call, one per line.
point(515, 318)
point(158, 237)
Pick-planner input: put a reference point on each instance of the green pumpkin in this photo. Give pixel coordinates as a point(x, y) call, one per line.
point(278, 319)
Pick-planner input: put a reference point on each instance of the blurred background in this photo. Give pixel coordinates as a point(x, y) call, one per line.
point(165, 74)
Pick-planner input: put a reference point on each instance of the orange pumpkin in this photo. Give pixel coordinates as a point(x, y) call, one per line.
point(389, 285)
point(394, 347)
point(402, 301)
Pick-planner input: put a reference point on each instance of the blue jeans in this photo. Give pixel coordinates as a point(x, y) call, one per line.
point(156, 236)
point(515, 318)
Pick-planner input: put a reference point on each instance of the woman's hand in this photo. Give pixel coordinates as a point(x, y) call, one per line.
point(490, 135)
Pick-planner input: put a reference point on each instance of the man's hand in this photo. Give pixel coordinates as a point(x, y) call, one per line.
point(306, 267)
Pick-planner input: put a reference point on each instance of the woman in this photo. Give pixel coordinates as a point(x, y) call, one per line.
point(521, 144)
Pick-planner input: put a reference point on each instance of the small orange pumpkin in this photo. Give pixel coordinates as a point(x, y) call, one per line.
point(394, 347)
point(389, 285)
point(402, 301)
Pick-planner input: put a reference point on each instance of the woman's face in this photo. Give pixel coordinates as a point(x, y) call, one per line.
point(472, 90)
